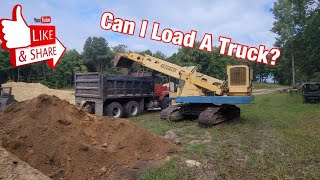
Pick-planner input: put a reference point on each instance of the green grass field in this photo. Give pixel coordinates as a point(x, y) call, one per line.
point(277, 137)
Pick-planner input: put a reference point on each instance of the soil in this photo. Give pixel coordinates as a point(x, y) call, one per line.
point(63, 142)
point(23, 91)
point(12, 168)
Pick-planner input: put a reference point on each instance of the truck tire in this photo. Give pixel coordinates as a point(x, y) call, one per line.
point(131, 109)
point(114, 110)
point(88, 107)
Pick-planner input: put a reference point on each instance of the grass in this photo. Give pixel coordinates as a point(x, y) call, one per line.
point(277, 137)
point(173, 170)
point(259, 85)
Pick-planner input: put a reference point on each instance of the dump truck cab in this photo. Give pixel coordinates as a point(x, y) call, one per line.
point(311, 92)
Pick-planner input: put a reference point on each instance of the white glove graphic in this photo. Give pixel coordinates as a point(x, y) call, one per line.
point(15, 32)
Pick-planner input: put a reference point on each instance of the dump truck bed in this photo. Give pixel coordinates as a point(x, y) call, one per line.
point(97, 85)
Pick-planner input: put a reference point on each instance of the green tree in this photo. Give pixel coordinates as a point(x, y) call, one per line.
point(297, 25)
point(310, 64)
point(63, 75)
point(290, 16)
point(210, 63)
point(159, 55)
point(137, 67)
point(121, 48)
point(97, 54)
point(7, 71)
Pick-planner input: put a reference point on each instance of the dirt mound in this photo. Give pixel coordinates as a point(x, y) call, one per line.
point(64, 142)
point(23, 91)
point(12, 168)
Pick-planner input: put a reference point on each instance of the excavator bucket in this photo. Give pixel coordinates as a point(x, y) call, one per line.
point(122, 61)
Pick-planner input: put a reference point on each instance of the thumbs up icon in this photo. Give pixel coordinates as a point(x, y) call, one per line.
point(15, 33)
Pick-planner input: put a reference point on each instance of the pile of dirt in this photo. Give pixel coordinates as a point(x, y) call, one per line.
point(64, 142)
point(23, 91)
point(12, 168)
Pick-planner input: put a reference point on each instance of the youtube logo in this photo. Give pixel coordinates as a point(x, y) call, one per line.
point(45, 19)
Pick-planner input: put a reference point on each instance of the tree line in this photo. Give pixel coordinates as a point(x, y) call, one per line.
point(297, 24)
point(97, 56)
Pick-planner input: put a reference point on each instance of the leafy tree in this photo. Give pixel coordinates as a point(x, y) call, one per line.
point(7, 71)
point(212, 64)
point(121, 48)
point(63, 75)
point(159, 55)
point(290, 19)
point(297, 24)
point(97, 54)
point(310, 37)
point(148, 52)
point(138, 68)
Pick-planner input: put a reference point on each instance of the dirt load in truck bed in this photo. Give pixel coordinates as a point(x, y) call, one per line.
point(64, 142)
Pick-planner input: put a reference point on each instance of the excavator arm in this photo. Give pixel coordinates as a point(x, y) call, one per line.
point(190, 75)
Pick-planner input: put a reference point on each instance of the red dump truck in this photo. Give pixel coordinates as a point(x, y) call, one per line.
point(119, 95)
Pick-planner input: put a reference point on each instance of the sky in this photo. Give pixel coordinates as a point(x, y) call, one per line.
point(246, 22)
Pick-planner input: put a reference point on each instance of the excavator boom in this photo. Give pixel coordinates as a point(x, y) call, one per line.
point(127, 59)
point(188, 74)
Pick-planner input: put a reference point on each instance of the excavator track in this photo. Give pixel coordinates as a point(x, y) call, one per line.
point(215, 115)
point(171, 113)
point(208, 116)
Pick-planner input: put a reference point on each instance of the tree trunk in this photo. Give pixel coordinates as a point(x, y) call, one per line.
point(293, 71)
point(29, 75)
point(18, 75)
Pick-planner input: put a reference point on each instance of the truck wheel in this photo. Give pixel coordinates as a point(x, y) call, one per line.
point(88, 107)
point(165, 103)
point(132, 109)
point(114, 110)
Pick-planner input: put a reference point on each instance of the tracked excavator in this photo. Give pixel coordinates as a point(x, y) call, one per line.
point(210, 100)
